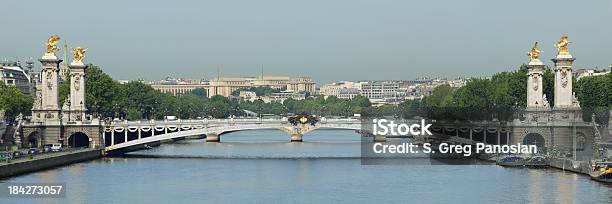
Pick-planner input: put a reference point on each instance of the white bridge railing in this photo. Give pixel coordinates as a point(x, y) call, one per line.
point(186, 128)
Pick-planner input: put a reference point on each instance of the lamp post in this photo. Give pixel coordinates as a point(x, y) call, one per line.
point(348, 111)
point(179, 112)
point(259, 111)
point(115, 111)
point(81, 112)
point(259, 108)
point(69, 110)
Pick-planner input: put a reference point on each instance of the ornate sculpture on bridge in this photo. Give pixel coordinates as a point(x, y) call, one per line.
point(78, 55)
point(562, 45)
point(52, 44)
point(545, 101)
point(534, 54)
point(303, 118)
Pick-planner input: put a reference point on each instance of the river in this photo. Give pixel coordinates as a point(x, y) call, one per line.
point(262, 166)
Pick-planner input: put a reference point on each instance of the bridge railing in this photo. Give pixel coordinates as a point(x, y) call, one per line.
point(217, 121)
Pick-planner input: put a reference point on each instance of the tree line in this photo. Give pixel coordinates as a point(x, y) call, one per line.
point(502, 94)
point(136, 100)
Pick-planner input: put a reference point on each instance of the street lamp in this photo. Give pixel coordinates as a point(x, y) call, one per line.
point(115, 111)
point(259, 111)
point(69, 110)
point(80, 116)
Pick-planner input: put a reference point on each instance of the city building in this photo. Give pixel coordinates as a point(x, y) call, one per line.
point(178, 86)
point(225, 86)
point(247, 96)
point(590, 72)
point(13, 74)
point(388, 92)
point(280, 97)
point(380, 91)
point(343, 89)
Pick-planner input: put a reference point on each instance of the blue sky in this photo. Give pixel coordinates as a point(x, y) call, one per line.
point(328, 40)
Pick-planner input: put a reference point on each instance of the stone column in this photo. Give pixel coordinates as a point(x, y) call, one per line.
point(296, 137)
point(563, 81)
point(535, 97)
point(77, 91)
point(471, 135)
point(212, 138)
point(49, 111)
point(484, 135)
point(508, 137)
point(112, 138)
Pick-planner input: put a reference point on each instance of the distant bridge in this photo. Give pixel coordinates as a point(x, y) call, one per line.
point(126, 134)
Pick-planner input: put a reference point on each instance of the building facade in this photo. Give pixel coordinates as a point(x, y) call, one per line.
point(225, 86)
point(13, 74)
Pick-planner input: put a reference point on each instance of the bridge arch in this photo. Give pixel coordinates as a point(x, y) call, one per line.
point(34, 139)
point(212, 129)
point(78, 139)
point(534, 139)
point(216, 136)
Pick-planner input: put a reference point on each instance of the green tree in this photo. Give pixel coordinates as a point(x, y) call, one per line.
point(13, 102)
point(200, 92)
point(439, 96)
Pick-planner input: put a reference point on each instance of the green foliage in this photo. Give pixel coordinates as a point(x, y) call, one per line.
point(328, 106)
point(595, 91)
point(64, 91)
point(549, 86)
point(200, 92)
point(503, 90)
point(484, 98)
point(595, 97)
point(101, 90)
point(13, 102)
point(440, 96)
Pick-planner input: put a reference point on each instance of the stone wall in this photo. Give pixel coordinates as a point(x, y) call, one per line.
point(27, 166)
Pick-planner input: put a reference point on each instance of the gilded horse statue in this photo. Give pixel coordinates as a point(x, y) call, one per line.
point(534, 54)
point(52, 44)
point(78, 54)
point(562, 45)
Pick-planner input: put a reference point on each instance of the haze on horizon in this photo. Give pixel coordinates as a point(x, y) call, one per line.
point(328, 40)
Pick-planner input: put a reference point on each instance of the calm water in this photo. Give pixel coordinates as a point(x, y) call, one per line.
point(263, 167)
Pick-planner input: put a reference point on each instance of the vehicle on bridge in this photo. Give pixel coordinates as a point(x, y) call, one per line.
point(170, 118)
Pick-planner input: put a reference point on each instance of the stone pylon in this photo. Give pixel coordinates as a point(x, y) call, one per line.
point(535, 98)
point(48, 109)
point(564, 95)
point(77, 91)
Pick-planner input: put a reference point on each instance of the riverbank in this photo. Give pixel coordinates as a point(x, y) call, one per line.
point(582, 167)
point(565, 164)
point(43, 162)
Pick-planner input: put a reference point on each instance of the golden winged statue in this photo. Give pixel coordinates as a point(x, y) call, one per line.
point(52, 44)
point(562, 45)
point(78, 54)
point(534, 54)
